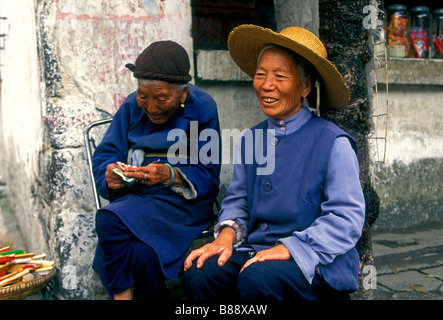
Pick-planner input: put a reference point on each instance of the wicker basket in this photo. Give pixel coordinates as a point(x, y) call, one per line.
point(22, 290)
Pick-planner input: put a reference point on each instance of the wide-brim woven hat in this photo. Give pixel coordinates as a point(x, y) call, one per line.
point(245, 43)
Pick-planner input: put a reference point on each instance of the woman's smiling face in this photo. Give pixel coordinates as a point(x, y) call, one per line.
point(278, 85)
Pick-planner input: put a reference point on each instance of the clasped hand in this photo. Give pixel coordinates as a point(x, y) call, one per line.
point(150, 175)
point(223, 247)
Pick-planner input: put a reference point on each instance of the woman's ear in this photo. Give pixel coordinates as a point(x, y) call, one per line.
point(307, 85)
point(184, 94)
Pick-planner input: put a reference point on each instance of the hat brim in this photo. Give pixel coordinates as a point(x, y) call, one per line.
point(245, 43)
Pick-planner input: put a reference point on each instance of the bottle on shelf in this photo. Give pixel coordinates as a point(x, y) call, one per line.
point(437, 34)
point(420, 32)
point(396, 31)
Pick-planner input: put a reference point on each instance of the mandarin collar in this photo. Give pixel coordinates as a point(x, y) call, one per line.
point(290, 124)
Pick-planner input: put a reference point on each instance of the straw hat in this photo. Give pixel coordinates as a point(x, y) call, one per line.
point(245, 43)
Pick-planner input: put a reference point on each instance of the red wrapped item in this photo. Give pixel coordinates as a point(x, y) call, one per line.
point(419, 43)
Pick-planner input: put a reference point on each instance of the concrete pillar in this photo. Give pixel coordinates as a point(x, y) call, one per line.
point(300, 13)
point(346, 40)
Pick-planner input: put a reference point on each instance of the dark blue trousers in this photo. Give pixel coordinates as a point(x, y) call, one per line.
point(126, 261)
point(267, 280)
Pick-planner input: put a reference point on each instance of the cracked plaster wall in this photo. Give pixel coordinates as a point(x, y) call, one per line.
point(409, 180)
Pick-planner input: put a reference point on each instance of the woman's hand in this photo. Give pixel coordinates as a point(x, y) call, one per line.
point(150, 175)
point(221, 246)
point(278, 252)
point(113, 180)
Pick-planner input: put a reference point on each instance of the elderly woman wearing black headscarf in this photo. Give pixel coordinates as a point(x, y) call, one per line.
point(160, 201)
point(290, 233)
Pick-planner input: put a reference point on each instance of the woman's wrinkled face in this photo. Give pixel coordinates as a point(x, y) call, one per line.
point(277, 84)
point(159, 100)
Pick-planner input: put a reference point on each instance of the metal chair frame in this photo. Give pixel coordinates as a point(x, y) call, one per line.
point(88, 144)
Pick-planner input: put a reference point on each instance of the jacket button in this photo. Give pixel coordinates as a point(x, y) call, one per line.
point(264, 226)
point(274, 141)
point(267, 186)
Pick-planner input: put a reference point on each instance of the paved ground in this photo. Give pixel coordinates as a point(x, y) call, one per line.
point(408, 264)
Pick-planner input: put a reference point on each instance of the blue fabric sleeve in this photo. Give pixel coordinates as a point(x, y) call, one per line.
point(205, 177)
point(234, 205)
point(339, 227)
point(113, 147)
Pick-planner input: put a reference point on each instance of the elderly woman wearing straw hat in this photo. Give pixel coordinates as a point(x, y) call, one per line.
point(145, 231)
point(290, 234)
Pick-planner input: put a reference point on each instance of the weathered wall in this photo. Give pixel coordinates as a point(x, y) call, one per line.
point(21, 110)
point(301, 13)
point(409, 180)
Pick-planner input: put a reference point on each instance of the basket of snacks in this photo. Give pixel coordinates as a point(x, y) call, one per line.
point(23, 274)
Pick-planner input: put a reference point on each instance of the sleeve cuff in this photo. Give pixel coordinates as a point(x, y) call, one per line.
point(188, 192)
point(304, 256)
point(234, 225)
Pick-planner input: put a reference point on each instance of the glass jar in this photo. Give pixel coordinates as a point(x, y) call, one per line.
point(379, 36)
point(420, 32)
point(437, 34)
point(396, 31)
